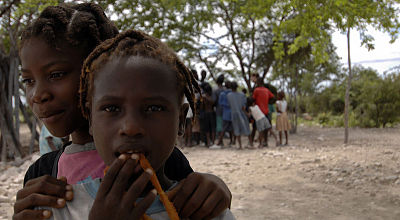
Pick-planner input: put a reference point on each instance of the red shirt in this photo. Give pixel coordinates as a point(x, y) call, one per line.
point(261, 95)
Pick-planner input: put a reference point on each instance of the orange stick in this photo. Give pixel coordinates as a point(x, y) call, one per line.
point(169, 207)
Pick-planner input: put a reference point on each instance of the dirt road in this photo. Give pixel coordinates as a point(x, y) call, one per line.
point(316, 177)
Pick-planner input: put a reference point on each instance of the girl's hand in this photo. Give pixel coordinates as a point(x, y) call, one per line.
point(113, 201)
point(200, 196)
point(42, 191)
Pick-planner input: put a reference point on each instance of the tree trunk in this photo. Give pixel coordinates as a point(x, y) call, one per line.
point(28, 121)
point(6, 110)
point(16, 94)
point(296, 103)
point(33, 137)
point(347, 97)
point(9, 136)
point(3, 150)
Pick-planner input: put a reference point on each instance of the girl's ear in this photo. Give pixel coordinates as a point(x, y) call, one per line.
point(182, 118)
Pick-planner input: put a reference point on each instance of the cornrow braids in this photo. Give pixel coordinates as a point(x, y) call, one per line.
point(82, 26)
point(134, 43)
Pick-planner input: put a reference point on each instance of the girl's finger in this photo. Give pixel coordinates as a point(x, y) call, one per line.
point(143, 205)
point(136, 189)
point(45, 178)
point(38, 200)
point(121, 182)
point(172, 193)
point(217, 211)
point(184, 193)
point(33, 214)
point(213, 206)
point(111, 175)
point(195, 201)
point(57, 189)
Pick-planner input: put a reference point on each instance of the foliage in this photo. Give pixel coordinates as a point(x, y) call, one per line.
point(375, 100)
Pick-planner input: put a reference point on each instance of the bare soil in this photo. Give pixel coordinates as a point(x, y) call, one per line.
point(315, 177)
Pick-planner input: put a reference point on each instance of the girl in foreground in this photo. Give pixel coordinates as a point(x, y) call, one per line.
point(52, 52)
point(132, 90)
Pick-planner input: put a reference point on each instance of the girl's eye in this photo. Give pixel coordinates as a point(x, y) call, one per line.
point(57, 75)
point(155, 108)
point(111, 108)
point(27, 81)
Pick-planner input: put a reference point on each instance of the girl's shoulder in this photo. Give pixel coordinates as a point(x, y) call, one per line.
point(44, 165)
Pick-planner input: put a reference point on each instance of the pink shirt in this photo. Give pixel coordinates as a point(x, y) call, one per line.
point(78, 162)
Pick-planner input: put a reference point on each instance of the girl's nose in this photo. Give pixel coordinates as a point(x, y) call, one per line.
point(40, 95)
point(132, 126)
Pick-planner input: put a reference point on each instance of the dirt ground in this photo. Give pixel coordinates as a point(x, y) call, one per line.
point(315, 177)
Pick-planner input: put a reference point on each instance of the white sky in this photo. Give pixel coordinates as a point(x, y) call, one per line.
point(382, 58)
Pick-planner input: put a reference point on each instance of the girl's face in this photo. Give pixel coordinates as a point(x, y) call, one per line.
point(51, 78)
point(135, 109)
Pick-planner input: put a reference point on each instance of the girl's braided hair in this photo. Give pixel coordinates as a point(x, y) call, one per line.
point(81, 26)
point(134, 43)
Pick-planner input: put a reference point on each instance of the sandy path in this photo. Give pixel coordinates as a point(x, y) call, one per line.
point(316, 177)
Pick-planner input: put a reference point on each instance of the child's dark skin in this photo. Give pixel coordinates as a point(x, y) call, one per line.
point(52, 80)
point(132, 106)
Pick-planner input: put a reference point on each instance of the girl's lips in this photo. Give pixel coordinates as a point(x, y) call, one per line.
point(53, 117)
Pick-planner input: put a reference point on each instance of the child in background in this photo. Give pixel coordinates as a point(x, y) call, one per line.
point(240, 122)
point(207, 122)
point(52, 51)
point(49, 143)
point(226, 115)
point(218, 107)
point(132, 89)
point(188, 128)
point(282, 121)
point(262, 123)
point(196, 117)
point(261, 96)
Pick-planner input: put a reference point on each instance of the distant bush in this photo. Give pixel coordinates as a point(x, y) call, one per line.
point(375, 101)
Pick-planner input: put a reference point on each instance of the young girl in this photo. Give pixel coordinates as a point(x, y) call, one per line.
point(52, 51)
point(240, 122)
point(262, 123)
point(132, 87)
point(282, 121)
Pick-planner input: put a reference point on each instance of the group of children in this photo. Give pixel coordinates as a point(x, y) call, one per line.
point(225, 110)
point(118, 96)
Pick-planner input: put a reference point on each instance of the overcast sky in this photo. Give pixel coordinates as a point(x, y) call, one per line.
point(382, 58)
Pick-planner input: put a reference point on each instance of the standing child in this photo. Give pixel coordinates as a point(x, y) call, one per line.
point(282, 121)
point(207, 123)
point(132, 88)
point(262, 123)
point(261, 96)
point(188, 128)
point(240, 122)
point(218, 108)
point(52, 52)
point(226, 115)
